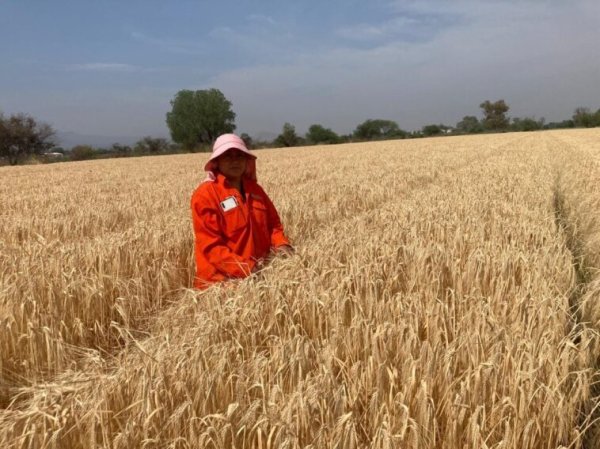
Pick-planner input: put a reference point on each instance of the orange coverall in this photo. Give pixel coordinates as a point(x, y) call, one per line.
point(231, 234)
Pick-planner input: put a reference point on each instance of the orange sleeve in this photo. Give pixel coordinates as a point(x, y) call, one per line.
point(278, 237)
point(210, 242)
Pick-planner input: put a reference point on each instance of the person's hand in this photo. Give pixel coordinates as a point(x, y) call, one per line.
point(260, 263)
point(283, 250)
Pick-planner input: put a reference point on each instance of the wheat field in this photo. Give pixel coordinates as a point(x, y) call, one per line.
point(444, 294)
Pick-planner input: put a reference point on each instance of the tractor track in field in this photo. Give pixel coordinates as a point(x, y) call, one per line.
point(589, 417)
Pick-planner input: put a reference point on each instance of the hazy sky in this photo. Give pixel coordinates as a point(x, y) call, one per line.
point(111, 68)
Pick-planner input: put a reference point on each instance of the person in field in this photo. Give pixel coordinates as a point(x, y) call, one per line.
point(236, 226)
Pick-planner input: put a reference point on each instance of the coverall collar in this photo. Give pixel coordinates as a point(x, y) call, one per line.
point(222, 180)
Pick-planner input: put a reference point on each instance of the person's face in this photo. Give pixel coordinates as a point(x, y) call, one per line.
point(232, 163)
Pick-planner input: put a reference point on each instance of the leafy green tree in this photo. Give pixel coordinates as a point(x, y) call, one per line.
point(318, 134)
point(495, 115)
point(21, 136)
point(375, 129)
point(288, 136)
point(432, 130)
point(199, 117)
point(150, 145)
point(527, 124)
point(469, 125)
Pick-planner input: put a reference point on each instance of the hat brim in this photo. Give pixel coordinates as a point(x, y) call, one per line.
point(211, 165)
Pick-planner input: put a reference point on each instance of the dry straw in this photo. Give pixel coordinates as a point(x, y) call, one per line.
point(443, 295)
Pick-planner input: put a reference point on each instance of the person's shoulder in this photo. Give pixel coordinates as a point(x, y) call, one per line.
point(203, 191)
point(254, 187)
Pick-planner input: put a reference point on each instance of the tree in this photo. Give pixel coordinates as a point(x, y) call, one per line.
point(469, 125)
point(247, 140)
point(432, 130)
point(288, 136)
point(318, 134)
point(21, 135)
point(584, 118)
point(560, 125)
point(117, 148)
point(495, 115)
point(374, 129)
point(527, 124)
point(199, 117)
point(82, 152)
point(150, 145)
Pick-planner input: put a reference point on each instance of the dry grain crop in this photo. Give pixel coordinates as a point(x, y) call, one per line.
point(443, 295)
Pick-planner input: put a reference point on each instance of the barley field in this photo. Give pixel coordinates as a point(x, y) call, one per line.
point(444, 294)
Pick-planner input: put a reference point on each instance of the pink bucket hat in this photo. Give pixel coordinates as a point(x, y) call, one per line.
point(227, 142)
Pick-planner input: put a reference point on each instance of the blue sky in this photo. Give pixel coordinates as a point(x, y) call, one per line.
point(111, 68)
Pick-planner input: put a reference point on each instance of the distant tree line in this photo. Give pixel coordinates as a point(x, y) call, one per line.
point(144, 147)
point(198, 117)
point(23, 138)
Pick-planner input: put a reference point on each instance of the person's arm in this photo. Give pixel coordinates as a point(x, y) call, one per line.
point(278, 237)
point(213, 246)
